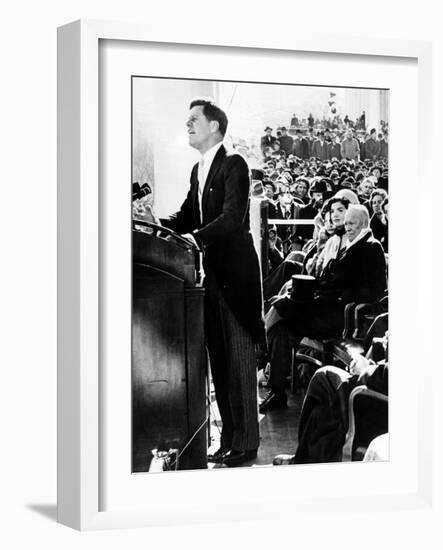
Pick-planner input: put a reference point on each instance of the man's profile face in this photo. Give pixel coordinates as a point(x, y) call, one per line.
point(353, 225)
point(269, 191)
point(199, 127)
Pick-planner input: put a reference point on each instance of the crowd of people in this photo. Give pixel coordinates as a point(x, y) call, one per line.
point(297, 187)
point(337, 187)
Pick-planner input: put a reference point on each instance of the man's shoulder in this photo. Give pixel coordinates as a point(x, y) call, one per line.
point(231, 156)
point(371, 243)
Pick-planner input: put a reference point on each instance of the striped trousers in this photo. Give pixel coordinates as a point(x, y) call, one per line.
point(232, 357)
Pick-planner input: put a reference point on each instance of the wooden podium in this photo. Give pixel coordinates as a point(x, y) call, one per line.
point(168, 350)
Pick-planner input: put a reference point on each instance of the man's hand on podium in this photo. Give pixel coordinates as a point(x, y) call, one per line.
point(190, 237)
point(142, 210)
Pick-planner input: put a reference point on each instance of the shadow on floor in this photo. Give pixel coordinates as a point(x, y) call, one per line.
point(48, 511)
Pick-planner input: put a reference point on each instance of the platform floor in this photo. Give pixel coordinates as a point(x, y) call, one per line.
point(278, 430)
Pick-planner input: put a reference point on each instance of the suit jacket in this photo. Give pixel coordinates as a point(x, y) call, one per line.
point(372, 148)
point(320, 151)
point(300, 148)
point(359, 275)
point(267, 141)
point(286, 144)
point(229, 257)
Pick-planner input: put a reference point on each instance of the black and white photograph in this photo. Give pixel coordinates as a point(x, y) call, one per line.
point(260, 224)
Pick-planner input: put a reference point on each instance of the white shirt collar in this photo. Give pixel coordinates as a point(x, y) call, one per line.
point(208, 157)
point(359, 237)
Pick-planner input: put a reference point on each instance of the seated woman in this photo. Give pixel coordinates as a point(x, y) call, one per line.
point(355, 272)
point(314, 254)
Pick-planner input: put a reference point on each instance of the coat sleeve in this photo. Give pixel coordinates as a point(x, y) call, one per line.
point(235, 204)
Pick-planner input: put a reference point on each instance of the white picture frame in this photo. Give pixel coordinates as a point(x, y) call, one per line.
point(80, 294)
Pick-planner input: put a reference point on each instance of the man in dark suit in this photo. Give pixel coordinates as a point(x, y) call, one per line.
point(286, 142)
point(300, 147)
point(321, 148)
point(267, 140)
point(215, 214)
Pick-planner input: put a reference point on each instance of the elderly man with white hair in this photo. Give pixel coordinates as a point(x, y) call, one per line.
point(356, 274)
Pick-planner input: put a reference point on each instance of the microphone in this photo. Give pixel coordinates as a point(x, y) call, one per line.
point(140, 192)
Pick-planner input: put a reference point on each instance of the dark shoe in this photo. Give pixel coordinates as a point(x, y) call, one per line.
point(273, 400)
point(283, 460)
point(237, 458)
point(217, 457)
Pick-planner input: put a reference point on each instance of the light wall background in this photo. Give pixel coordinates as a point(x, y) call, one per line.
point(28, 274)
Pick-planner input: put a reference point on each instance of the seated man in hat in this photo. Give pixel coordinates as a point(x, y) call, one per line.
point(355, 273)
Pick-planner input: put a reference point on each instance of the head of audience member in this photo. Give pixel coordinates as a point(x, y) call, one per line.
point(356, 221)
point(376, 172)
point(267, 152)
point(337, 206)
point(365, 187)
point(347, 194)
point(317, 192)
point(281, 163)
point(272, 235)
point(298, 134)
point(268, 170)
point(276, 146)
point(269, 189)
point(376, 201)
point(334, 176)
point(268, 130)
point(348, 135)
point(285, 199)
point(283, 130)
point(301, 188)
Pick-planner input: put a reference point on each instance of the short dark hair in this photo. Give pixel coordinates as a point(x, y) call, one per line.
point(267, 182)
point(212, 112)
point(328, 205)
